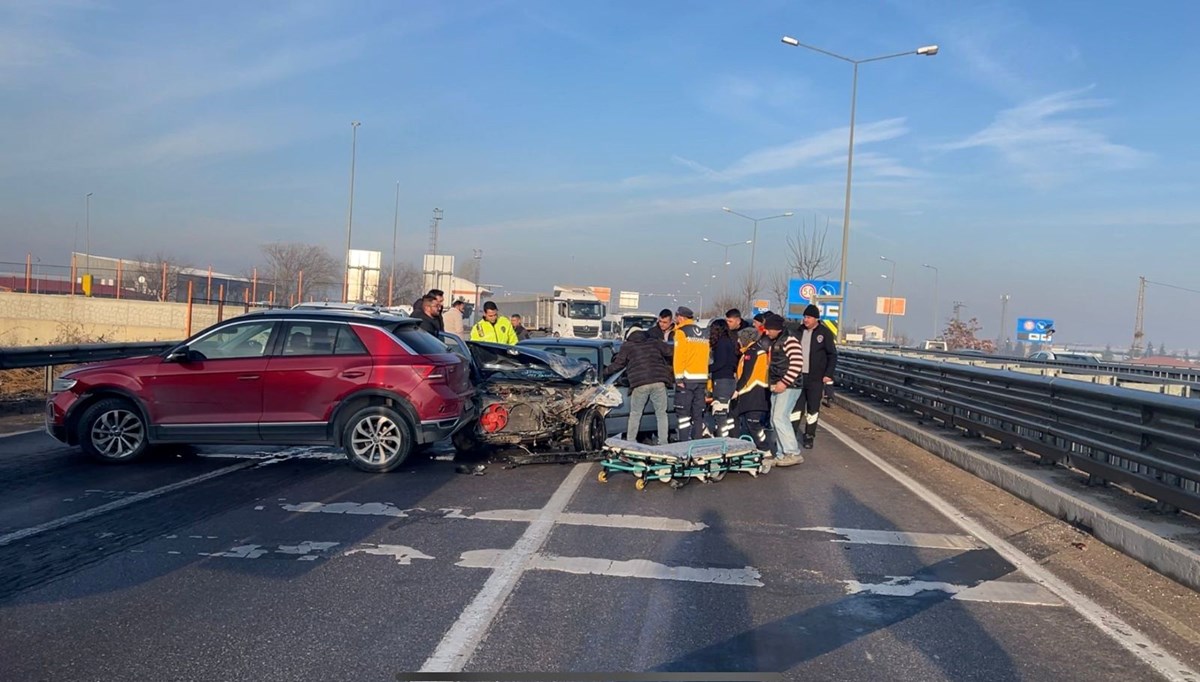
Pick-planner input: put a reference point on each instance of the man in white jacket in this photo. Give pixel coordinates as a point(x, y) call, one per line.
point(453, 318)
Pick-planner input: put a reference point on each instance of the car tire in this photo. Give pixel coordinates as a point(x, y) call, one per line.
point(113, 431)
point(377, 439)
point(590, 431)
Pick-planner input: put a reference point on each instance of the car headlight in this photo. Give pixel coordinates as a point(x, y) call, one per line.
point(62, 384)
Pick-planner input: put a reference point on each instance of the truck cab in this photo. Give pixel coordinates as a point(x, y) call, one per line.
point(577, 313)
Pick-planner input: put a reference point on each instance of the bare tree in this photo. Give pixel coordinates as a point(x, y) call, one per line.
point(718, 307)
point(407, 287)
point(286, 260)
point(146, 276)
point(959, 334)
point(808, 256)
point(779, 287)
point(752, 283)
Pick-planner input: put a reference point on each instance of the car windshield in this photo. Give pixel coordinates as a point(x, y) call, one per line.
point(587, 354)
point(585, 310)
point(642, 322)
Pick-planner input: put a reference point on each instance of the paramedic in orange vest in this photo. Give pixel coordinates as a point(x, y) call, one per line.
point(690, 362)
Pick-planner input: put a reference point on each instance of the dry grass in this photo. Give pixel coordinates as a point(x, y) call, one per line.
point(22, 383)
point(30, 382)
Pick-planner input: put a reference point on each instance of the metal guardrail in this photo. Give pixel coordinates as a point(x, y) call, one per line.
point(1179, 381)
point(1147, 441)
point(46, 356)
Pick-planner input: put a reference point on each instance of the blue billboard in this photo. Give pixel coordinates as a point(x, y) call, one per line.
point(801, 292)
point(1034, 330)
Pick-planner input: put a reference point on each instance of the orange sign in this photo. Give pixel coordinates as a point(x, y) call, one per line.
point(890, 306)
point(602, 293)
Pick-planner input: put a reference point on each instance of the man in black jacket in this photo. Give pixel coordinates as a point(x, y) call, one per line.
point(648, 367)
point(820, 357)
point(424, 311)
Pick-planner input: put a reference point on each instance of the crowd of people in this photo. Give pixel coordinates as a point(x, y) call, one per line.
point(737, 379)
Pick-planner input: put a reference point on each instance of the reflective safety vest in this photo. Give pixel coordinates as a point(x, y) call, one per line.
point(691, 353)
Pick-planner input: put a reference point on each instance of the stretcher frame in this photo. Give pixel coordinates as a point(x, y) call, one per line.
point(675, 464)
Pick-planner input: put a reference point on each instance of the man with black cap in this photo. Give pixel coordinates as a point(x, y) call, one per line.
point(820, 357)
point(690, 362)
point(783, 376)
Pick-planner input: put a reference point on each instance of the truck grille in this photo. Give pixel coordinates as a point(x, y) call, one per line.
point(586, 332)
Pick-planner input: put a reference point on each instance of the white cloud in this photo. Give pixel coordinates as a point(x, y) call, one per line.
point(1045, 145)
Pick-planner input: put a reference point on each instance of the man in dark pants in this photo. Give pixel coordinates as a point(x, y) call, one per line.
point(690, 362)
point(820, 357)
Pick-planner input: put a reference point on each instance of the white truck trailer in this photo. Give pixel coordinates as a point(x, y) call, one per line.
point(566, 312)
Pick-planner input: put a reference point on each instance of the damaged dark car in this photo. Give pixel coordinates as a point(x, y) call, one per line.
point(532, 399)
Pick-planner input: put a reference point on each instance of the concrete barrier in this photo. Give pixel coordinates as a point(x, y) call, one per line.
point(42, 319)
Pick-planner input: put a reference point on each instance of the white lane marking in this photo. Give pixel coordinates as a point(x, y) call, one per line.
point(514, 515)
point(859, 536)
point(307, 548)
point(239, 552)
point(13, 434)
point(597, 520)
point(634, 568)
point(461, 640)
point(118, 504)
point(990, 591)
point(1121, 632)
point(402, 554)
point(351, 508)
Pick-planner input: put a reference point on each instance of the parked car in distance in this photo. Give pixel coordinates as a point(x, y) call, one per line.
point(370, 383)
point(1064, 356)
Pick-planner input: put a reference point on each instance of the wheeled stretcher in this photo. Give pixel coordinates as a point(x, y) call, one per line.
point(707, 460)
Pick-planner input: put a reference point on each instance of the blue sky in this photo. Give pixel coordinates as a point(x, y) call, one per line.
point(1047, 152)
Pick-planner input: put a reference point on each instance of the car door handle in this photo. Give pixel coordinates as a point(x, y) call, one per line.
point(248, 377)
point(352, 374)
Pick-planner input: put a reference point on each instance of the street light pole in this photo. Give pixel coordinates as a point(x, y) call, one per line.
point(88, 232)
point(925, 51)
point(891, 296)
point(350, 211)
point(725, 280)
point(935, 299)
point(754, 241)
point(395, 225)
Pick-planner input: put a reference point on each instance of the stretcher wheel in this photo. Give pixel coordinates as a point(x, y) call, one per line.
point(716, 476)
point(602, 476)
point(640, 484)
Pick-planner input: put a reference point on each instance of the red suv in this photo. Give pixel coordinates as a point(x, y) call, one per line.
point(372, 383)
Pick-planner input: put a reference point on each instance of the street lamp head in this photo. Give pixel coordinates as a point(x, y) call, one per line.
point(788, 40)
point(928, 50)
point(707, 239)
point(727, 209)
point(789, 214)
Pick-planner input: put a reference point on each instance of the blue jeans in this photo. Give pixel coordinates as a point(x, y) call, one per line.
point(781, 420)
point(656, 394)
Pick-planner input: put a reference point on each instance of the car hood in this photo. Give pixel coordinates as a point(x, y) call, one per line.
point(104, 365)
point(493, 359)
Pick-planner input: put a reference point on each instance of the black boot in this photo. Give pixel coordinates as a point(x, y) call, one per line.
point(810, 435)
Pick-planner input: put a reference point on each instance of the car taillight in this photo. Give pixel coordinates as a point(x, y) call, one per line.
point(494, 418)
point(433, 373)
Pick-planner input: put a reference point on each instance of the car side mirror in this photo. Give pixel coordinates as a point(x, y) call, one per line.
point(183, 355)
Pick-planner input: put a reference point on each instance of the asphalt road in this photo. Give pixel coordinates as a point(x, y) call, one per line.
point(286, 564)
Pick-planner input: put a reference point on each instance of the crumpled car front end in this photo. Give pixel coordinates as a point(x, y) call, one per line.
point(534, 399)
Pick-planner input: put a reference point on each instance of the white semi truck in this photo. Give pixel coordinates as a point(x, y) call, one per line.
point(566, 312)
